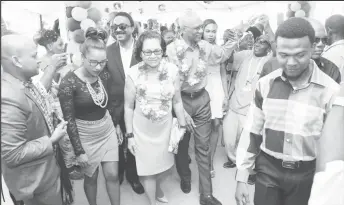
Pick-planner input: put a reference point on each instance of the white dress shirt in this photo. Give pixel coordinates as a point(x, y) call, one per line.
point(126, 55)
point(335, 53)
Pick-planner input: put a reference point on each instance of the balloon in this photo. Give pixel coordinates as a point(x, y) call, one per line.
point(69, 11)
point(85, 24)
point(94, 14)
point(306, 7)
point(79, 14)
point(85, 4)
point(79, 36)
point(77, 59)
point(72, 24)
point(295, 6)
point(290, 14)
point(302, 2)
point(300, 13)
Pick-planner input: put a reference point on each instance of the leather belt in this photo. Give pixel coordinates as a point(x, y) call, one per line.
point(292, 164)
point(193, 94)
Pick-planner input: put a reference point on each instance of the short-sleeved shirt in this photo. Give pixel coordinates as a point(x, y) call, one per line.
point(248, 67)
point(335, 53)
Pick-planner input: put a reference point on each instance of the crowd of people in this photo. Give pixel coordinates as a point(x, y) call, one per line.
point(276, 99)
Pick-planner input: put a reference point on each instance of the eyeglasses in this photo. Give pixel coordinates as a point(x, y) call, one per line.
point(323, 40)
point(149, 53)
point(121, 26)
point(94, 63)
point(196, 28)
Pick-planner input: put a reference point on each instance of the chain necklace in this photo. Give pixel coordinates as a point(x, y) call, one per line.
point(101, 98)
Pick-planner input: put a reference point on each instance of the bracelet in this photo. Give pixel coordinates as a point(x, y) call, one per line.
point(129, 135)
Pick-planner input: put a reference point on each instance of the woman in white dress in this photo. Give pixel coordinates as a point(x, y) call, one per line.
point(217, 89)
point(152, 89)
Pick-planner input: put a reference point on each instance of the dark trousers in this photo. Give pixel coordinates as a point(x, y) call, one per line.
point(277, 185)
point(127, 163)
point(199, 109)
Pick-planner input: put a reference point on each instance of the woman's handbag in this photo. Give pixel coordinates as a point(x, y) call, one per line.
point(175, 137)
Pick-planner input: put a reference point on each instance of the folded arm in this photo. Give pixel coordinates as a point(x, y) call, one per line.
point(16, 149)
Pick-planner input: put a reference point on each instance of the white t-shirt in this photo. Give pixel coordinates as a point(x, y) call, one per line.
point(126, 55)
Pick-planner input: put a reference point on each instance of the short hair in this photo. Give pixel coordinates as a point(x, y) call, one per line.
point(128, 16)
point(95, 38)
point(149, 34)
point(336, 24)
point(163, 28)
point(295, 28)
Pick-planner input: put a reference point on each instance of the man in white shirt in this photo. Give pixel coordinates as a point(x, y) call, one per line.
point(335, 52)
point(121, 58)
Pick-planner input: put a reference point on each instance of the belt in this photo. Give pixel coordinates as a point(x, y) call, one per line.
point(193, 94)
point(292, 164)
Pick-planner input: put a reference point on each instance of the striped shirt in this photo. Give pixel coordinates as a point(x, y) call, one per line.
point(283, 121)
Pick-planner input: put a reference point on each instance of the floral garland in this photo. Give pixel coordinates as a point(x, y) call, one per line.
point(166, 88)
point(184, 68)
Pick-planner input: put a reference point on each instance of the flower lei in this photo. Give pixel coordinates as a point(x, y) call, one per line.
point(166, 88)
point(184, 68)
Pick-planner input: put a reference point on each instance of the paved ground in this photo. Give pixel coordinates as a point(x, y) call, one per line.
point(223, 186)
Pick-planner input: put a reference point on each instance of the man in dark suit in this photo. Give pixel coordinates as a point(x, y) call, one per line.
point(28, 137)
point(120, 59)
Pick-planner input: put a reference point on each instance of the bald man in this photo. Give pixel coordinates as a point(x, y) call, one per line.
point(28, 137)
point(324, 64)
point(192, 55)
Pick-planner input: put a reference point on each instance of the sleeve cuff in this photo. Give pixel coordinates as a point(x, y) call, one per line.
point(242, 175)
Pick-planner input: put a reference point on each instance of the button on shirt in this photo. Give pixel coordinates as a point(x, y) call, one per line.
point(283, 122)
point(214, 54)
point(126, 55)
point(335, 53)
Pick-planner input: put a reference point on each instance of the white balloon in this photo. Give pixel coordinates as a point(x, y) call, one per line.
point(77, 60)
point(295, 6)
point(87, 23)
point(79, 13)
point(300, 13)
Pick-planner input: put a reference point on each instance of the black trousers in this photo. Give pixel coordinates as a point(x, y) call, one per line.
point(127, 161)
point(198, 108)
point(277, 185)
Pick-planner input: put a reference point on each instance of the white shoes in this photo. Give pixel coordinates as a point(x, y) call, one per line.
point(162, 199)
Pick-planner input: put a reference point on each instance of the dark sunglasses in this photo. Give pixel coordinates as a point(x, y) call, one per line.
point(121, 26)
point(323, 40)
point(149, 53)
point(91, 32)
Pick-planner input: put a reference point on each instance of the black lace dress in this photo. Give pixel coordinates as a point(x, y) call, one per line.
point(77, 106)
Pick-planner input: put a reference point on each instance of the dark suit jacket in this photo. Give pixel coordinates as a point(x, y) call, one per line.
point(28, 161)
point(115, 68)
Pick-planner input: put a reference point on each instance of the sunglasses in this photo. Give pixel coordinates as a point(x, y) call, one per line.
point(323, 40)
point(91, 32)
point(149, 53)
point(121, 26)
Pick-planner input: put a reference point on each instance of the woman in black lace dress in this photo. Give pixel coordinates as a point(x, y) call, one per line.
point(88, 110)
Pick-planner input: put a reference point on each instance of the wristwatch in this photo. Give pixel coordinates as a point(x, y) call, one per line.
point(129, 135)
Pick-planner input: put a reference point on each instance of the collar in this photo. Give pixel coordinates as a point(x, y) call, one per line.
point(131, 46)
point(340, 42)
point(182, 42)
point(317, 76)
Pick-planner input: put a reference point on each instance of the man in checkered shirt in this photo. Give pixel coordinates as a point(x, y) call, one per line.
point(285, 121)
